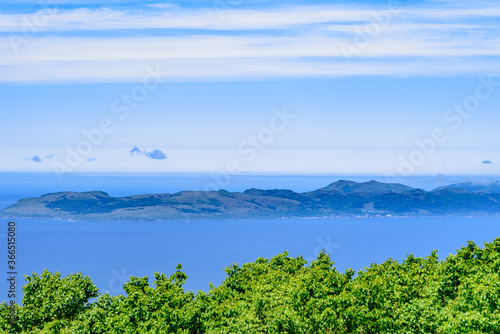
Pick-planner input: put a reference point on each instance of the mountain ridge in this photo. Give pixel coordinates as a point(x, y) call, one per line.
point(488, 188)
point(342, 198)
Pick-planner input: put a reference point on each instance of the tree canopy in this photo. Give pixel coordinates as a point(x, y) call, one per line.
point(283, 294)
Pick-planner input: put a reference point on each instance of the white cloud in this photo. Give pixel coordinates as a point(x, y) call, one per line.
point(172, 17)
point(90, 49)
point(107, 19)
point(240, 68)
point(314, 41)
point(164, 5)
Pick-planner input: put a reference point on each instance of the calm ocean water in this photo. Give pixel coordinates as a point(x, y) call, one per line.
point(109, 252)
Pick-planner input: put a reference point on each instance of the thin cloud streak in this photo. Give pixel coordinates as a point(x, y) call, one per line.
point(153, 48)
point(241, 69)
point(107, 19)
point(413, 41)
point(234, 19)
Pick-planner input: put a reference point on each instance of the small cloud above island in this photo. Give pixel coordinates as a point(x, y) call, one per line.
point(37, 158)
point(156, 154)
point(486, 162)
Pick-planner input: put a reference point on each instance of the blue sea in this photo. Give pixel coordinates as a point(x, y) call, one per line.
point(110, 252)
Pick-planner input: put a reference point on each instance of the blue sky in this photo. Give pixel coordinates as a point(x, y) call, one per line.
point(298, 87)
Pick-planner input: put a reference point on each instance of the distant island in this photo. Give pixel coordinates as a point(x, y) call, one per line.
point(340, 199)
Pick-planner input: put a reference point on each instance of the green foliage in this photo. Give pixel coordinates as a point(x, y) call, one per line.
point(50, 303)
point(460, 294)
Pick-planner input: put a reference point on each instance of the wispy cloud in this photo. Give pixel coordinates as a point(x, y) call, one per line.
point(164, 5)
point(439, 39)
point(243, 69)
point(107, 19)
point(172, 17)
